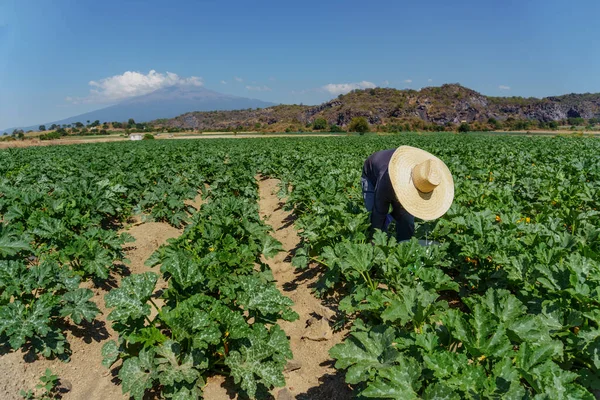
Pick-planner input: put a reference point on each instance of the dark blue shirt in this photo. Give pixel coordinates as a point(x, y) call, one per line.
point(375, 170)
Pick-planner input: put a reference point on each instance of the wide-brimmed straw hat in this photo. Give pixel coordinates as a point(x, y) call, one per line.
point(422, 182)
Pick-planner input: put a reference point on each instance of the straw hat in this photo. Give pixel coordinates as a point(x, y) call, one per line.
point(422, 182)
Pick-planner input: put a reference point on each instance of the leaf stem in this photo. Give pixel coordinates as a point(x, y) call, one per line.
point(154, 304)
point(319, 261)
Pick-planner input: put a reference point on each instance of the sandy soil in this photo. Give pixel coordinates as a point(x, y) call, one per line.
point(84, 374)
point(316, 379)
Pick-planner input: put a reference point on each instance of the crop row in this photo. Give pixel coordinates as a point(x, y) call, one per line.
point(507, 306)
point(219, 311)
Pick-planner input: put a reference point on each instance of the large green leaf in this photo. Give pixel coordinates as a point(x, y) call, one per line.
point(182, 268)
point(130, 299)
point(110, 353)
point(411, 303)
point(260, 359)
point(78, 306)
point(263, 299)
point(397, 382)
point(11, 245)
point(20, 322)
point(138, 374)
point(364, 352)
point(173, 366)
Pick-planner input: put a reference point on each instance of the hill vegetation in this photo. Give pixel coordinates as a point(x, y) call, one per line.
point(385, 109)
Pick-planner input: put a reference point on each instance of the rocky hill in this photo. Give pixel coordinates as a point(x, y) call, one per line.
point(445, 105)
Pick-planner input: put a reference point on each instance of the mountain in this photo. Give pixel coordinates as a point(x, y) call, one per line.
point(163, 103)
point(448, 104)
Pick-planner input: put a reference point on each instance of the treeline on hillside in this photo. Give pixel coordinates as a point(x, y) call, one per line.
point(361, 125)
point(91, 128)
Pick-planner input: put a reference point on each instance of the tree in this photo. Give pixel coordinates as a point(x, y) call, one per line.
point(78, 125)
point(464, 127)
point(95, 123)
point(53, 127)
point(148, 136)
point(320, 124)
point(131, 122)
point(359, 124)
point(575, 121)
point(42, 128)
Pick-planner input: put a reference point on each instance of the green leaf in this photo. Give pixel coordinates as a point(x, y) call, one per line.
point(138, 374)
point(397, 382)
point(182, 268)
point(148, 336)
point(270, 246)
point(439, 391)
point(263, 299)
point(52, 344)
point(110, 353)
point(358, 257)
point(76, 304)
point(192, 319)
point(445, 364)
point(412, 303)
point(10, 245)
point(19, 322)
point(300, 259)
point(260, 361)
point(130, 299)
point(172, 367)
point(365, 352)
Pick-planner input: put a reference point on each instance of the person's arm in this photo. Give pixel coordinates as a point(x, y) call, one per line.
point(380, 210)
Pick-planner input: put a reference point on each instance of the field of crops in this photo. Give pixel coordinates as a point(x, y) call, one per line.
point(506, 307)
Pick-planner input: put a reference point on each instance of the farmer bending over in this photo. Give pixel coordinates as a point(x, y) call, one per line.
point(414, 182)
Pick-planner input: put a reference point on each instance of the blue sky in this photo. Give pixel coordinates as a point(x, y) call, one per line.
point(289, 52)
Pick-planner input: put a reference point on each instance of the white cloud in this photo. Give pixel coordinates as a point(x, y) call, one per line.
point(408, 81)
point(504, 87)
point(342, 88)
point(237, 78)
point(132, 83)
point(429, 80)
point(259, 88)
point(224, 82)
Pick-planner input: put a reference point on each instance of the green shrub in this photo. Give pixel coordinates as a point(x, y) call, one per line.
point(148, 136)
point(335, 128)
point(320, 124)
point(464, 127)
point(50, 136)
point(359, 124)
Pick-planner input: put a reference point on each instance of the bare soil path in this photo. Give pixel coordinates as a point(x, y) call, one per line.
point(311, 374)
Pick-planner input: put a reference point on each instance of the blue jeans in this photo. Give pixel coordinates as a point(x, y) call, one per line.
point(405, 223)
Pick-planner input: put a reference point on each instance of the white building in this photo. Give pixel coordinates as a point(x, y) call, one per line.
point(135, 136)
